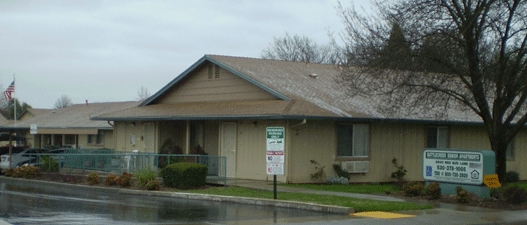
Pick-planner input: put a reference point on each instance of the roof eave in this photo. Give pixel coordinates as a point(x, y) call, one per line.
point(292, 117)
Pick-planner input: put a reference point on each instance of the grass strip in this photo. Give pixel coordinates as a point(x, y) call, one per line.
point(360, 205)
point(352, 188)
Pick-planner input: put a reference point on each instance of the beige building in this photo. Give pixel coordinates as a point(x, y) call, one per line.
point(68, 127)
point(225, 104)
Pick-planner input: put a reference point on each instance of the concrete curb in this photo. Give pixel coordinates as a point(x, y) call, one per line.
point(243, 200)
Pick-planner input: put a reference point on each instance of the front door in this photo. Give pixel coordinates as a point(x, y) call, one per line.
point(149, 130)
point(228, 147)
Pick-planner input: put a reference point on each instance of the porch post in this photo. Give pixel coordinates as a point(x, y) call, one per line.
point(187, 138)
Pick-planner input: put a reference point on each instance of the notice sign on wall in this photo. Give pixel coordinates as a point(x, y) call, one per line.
point(455, 166)
point(275, 150)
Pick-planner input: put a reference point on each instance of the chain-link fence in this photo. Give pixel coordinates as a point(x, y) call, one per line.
point(110, 161)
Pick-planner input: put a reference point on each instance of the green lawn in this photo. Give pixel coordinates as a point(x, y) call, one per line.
point(352, 188)
point(359, 205)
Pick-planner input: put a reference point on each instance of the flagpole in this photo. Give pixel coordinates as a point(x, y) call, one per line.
point(14, 103)
point(14, 100)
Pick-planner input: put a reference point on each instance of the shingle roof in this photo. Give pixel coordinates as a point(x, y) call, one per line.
point(75, 116)
point(307, 90)
point(36, 112)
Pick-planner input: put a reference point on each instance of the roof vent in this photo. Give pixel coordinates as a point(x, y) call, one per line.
point(313, 75)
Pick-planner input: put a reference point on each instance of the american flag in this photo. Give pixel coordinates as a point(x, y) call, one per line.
point(9, 91)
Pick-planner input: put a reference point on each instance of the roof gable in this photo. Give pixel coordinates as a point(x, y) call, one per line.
point(209, 80)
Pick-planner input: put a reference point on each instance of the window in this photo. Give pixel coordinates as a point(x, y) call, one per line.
point(96, 139)
point(353, 140)
point(437, 137)
point(510, 150)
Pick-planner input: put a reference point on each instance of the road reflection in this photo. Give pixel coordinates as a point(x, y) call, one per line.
point(29, 202)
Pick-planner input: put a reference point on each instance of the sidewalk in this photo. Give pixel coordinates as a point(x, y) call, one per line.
point(442, 214)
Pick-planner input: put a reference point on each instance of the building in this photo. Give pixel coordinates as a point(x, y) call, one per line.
point(68, 127)
point(225, 105)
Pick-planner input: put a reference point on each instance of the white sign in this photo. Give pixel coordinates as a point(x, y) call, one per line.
point(33, 129)
point(464, 167)
point(275, 138)
point(275, 150)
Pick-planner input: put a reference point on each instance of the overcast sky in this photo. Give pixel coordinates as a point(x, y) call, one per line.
point(104, 51)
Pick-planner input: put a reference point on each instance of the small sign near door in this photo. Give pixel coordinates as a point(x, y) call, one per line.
point(33, 128)
point(275, 150)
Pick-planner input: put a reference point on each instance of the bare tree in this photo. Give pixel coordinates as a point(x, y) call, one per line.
point(63, 102)
point(486, 71)
point(143, 93)
point(301, 49)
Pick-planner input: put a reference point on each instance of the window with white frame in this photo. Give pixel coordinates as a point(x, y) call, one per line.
point(96, 139)
point(353, 140)
point(437, 137)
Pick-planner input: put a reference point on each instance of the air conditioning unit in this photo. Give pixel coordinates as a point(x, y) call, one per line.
point(355, 166)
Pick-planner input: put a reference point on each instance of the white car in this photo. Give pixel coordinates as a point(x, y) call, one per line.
point(28, 156)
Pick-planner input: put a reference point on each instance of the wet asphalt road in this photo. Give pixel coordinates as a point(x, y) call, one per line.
point(21, 203)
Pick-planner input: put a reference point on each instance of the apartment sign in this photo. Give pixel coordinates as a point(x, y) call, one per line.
point(464, 167)
point(275, 146)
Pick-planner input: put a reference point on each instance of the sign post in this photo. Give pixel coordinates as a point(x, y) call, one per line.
point(275, 152)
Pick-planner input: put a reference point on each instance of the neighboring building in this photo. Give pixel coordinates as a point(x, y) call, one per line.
point(31, 112)
point(68, 127)
point(225, 104)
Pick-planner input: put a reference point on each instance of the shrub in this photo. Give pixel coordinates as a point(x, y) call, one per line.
point(8, 172)
point(340, 172)
point(168, 147)
point(319, 170)
point(413, 189)
point(197, 150)
point(110, 180)
point(184, 175)
point(462, 195)
point(153, 185)
point(512, 176)
point(338, 180)
point(49, 164)
point(125, 180)
point(433, 191)
point(27, 172)
point(399, 173)
point(93, 178)
point(515, 195)
point(145, 176)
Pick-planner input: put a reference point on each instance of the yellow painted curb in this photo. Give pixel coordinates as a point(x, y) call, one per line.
point(382, 215)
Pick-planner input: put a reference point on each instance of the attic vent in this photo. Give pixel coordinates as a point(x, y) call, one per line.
point(210, 67)
point(313, 75)
point(216, 71)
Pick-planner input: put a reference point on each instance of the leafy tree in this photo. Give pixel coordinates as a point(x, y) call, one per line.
point(9, 110)
point(63, 102)
point(301, 49)
point(485, 72)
